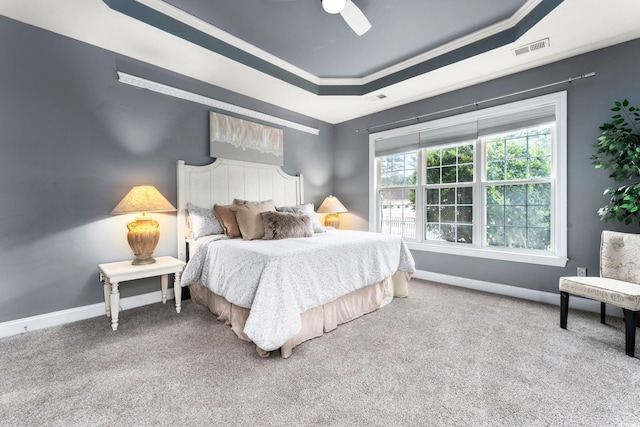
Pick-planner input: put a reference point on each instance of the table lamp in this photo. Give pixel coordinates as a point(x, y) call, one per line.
point(143, 233)
point(332, 207)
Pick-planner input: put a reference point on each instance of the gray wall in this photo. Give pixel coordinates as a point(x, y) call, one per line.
point(73, 141)
point(589, 101)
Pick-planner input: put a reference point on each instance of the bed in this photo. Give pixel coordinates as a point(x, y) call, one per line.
point(280, 292)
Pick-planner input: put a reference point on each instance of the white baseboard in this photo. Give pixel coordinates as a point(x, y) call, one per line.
point(20, 326)
point(575, 302)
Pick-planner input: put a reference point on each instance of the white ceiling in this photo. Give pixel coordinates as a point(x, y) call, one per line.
point(573, 27)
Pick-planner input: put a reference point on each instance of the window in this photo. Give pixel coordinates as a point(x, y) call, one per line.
point(491, 183)
point(398, 192)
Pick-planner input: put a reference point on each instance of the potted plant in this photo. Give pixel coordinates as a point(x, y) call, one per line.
point(619, 151)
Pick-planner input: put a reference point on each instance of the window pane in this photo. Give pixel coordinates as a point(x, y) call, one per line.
point(449, 214)
point(465, 173)
point(398, 169)
point(539, 238)
point(495, 171)
point(464, 234)
point(433, 214)
point(516, 215)
point(397, 212)
point(433, 157)
point(447, 233)
point(516, 147)
point(538, 215)
point(450, 164)
point(495, 215)
point(465, 214)
point(540, 142)
point(495, 236)
point(495, 195)
point(449, 156)
point(495, 149)
point(433, 176)
point(516, 169)
point(515, 194)
point(540, 167)
point(515, 237)
point(539, 194)
point(432, 196)
point(524, 215)
point(465, 154)
point(465, 195)
point(448, 196)
point(449, 174)
point(518, 155)
point(432, 232)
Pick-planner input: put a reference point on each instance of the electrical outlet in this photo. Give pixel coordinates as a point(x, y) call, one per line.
point(582, 271)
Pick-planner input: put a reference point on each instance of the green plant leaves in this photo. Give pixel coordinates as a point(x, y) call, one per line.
point(618, 149)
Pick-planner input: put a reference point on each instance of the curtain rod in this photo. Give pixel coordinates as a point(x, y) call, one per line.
point(569, 80)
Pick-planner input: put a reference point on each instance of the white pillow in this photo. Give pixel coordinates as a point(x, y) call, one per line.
point(203, 221)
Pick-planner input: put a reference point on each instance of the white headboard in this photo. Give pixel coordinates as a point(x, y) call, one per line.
point(224, 180)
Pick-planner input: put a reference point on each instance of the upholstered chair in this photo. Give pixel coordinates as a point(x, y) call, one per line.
point(618, 284)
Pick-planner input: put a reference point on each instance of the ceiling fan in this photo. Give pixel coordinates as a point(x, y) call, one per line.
point(350, 12)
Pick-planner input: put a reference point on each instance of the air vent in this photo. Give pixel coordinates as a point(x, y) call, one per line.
point(377, 97)
point(540, 44)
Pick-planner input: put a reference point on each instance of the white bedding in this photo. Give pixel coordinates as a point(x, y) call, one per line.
point(280, 279)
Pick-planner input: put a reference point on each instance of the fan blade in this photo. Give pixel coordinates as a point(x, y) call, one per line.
point(355, 18)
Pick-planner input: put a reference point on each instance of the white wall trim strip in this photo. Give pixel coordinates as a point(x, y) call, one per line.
point(575, 302)
point(20, 326)
point(27, 324)
point(210, 102)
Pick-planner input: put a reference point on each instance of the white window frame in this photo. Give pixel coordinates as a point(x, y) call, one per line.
point(558, 256)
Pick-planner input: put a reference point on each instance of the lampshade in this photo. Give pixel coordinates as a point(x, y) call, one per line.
point(332, 207)
point(143, 235)
point(143, 198)
point(333, 6)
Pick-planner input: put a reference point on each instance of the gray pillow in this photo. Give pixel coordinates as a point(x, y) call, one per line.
point(203, 221)
point(284, 225)
point(306, 209)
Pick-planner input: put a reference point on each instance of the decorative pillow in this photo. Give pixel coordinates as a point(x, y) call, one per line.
point(203, 221)
point(284, 225)
point(228, 220)
point(249, 219)
point(306, 209)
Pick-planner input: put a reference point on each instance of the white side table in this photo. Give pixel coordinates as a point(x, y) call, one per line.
point(115, 272)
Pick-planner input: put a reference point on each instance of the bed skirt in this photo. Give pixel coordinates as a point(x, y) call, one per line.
point(315, 321)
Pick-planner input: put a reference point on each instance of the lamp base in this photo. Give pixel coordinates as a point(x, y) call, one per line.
point(143, 237)
point(143, 259)
point(332, 220)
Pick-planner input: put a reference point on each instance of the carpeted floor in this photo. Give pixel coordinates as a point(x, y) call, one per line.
point(443, 356)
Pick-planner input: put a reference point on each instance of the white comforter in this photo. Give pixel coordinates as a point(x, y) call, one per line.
point(280, 279)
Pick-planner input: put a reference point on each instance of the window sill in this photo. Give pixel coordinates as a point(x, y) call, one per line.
point(502, 255)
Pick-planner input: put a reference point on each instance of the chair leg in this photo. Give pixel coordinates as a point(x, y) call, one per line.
point(630, 331)
point(603, 312)
point(564, 309)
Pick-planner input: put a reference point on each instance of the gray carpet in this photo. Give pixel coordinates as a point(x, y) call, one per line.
point(443, 356)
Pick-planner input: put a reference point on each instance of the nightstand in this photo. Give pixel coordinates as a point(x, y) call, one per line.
point(115, 272)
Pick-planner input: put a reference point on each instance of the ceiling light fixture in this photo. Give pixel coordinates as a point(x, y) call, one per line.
point(333, 6)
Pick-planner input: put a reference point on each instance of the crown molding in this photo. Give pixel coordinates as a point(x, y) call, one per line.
point(172, 20)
